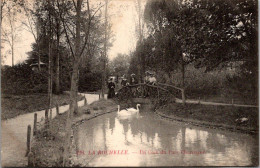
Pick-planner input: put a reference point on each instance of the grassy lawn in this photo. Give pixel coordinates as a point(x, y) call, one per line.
point(237, 99)
point(215, 114)
point(14, 105)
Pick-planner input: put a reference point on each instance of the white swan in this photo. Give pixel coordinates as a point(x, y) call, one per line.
point(121, 111)
point(129, 111)
point(133, 109)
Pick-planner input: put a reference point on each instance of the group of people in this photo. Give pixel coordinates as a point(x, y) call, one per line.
point(148, 79)
point(133, 80)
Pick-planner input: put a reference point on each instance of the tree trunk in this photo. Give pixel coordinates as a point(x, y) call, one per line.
point(57, 66)
point(12, 53)
point(74, 84)
point(38, 46)
point(57, 77)
point(12, 45)
point(104, 57)
point(103, 81)
point(39, 57)
point(141, 65)
point(183, 78)
point(74, 89)
point(50, 62)
point(74, 79)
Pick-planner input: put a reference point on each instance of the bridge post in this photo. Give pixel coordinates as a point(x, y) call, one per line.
point(142, 90)
point(183, 96)
point(35, 124)
point(57, 110)
point(28, 140)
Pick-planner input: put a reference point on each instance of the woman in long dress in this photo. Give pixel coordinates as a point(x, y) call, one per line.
point(111, 89)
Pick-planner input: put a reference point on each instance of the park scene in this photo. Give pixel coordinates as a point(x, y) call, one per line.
point(104, 83)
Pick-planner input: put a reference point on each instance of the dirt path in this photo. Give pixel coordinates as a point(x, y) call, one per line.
point(14, 133)
point(212, 103)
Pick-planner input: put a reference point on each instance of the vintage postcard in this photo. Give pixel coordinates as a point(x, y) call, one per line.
point(136, 83)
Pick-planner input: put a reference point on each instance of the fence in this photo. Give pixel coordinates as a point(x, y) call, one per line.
point(37, 126)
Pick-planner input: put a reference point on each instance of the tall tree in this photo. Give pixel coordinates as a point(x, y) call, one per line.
point(104, 54)
point(32, 24)
point(77, 44)
point(50, 72)
point(140, 26)
point(12, 27)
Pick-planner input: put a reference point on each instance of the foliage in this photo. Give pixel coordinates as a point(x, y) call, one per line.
point(204, 33)
point(63, 14)
point(89, 81)
point(119, 65)
point(21, 79)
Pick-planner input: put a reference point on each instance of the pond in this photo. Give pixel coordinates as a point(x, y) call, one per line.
point(147, 140)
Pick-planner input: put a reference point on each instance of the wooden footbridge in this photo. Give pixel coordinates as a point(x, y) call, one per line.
point(155, 95)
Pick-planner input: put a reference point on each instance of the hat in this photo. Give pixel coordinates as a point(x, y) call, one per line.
point(132, 74)
point(149, 72)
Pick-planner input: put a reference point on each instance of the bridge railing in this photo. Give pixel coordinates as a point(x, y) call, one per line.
point(179, 92)
point(147, 90)
point(156, 93)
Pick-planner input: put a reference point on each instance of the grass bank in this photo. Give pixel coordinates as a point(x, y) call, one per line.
point(226, 116)
point(48, 150)
point(14, 105)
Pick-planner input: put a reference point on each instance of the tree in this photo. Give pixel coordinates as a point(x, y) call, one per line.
point(3, 4)
point(34, 19)
point(11, 29)
point(140, 28)
point(77, 44)
point(32, 24)
point(119, 65)
point(208, 33)
point(104, 54)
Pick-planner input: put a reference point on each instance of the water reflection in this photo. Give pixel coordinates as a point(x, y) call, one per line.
point(154, 142)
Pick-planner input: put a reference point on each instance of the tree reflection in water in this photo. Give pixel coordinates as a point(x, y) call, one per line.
point(149, 133)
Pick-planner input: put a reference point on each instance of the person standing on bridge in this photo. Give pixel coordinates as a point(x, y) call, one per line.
point(124, 81)
point(133, 80)
point(152, 80)
point(146, 81)
point(111, 88)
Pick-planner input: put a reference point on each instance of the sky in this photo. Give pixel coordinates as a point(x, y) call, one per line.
point(122, 17)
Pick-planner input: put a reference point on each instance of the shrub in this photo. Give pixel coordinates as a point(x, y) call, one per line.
point(89, 81)
point(21, 79)
point(198, 83)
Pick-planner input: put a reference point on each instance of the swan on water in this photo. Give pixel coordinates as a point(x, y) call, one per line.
point(128, 111)
point(133, 109)
point(121, 111)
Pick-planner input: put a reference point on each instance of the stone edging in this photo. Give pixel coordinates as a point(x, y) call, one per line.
point(208, 124)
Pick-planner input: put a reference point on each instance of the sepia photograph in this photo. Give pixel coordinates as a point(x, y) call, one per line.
point(129, 83)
